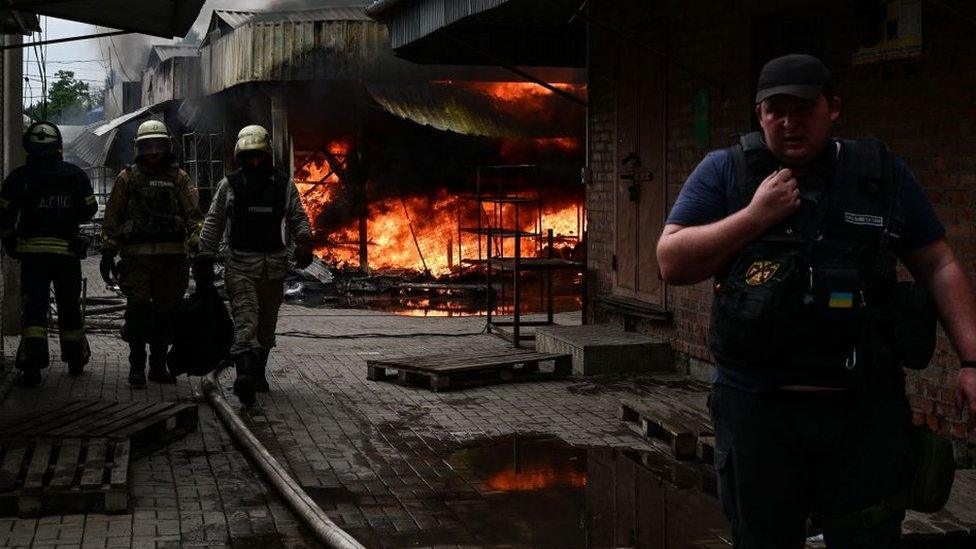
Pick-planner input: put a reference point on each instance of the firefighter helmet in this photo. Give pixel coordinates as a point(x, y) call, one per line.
point(253, 138)
point(152, 130)
point(42, 138)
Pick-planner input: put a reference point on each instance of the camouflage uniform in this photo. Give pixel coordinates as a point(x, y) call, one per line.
point(153, 221)
point(254, 278)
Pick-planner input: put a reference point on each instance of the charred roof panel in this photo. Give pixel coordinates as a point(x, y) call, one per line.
point(323, 44)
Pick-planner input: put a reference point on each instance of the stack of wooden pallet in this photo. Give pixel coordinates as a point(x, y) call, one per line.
point(74, 457)
point(675, 416)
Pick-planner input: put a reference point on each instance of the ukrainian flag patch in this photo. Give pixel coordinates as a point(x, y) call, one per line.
point(841, 300)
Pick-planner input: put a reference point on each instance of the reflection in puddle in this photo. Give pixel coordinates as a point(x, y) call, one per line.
point(531, 491)
point(546, 493)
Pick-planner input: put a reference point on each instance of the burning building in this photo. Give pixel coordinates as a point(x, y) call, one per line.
point(385, 152)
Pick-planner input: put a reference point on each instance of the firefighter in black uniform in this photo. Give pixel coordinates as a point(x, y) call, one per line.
point(42, 205)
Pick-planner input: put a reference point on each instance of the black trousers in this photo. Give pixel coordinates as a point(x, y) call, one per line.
point(783, 455)
point(37, 273)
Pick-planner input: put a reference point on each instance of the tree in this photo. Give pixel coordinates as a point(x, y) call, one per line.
point(67, 94)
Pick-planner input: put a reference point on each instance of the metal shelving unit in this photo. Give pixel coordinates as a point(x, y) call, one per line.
point(495, 189)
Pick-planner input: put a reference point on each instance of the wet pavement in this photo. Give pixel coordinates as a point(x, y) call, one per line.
point(541, 464)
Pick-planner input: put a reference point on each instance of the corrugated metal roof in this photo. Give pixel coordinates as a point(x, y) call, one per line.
point(452, 109)
point(236, 19)
point(161, 53)
point(104, 129)
point(92, 149)
point(266, 50)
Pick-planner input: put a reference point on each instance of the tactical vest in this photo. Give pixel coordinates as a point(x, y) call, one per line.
point(257, 212)
point(154, 213)
point(810, 301)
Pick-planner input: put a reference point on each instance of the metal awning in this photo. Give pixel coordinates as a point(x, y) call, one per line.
point(485, 32)
point(97, 142)
point(165, 18)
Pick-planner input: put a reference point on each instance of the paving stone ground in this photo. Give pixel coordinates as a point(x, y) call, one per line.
point(375, 455)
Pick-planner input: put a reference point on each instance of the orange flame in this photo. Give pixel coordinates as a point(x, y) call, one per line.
point(416, 233)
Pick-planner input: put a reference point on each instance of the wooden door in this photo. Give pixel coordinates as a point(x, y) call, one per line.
point(639, 195)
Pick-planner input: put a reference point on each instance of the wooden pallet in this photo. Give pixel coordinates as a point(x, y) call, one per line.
point(59, 477)
point(447, 372)
point(147, 425)
point(668, 419)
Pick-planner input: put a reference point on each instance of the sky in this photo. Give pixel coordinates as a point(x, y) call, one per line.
point(90, 59)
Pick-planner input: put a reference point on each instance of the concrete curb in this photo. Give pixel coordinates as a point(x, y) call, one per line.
point(311, 514)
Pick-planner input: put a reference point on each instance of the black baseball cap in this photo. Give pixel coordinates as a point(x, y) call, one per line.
point(799, 75)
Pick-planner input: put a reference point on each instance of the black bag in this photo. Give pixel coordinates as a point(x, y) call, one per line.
point(203, 333)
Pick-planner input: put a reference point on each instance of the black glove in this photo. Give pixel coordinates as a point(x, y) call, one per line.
point(10, 247)
point(303, 256)
point(107, 267)
point(203, 273)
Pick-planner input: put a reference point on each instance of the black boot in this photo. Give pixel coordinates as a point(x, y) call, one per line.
point(137, 364)
point(260, 376)
point(244, 384)
point(158, 372)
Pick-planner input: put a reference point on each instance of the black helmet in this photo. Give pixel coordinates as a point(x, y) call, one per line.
point(42, 139)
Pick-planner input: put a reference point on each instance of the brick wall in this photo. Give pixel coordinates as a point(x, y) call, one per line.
point(924, 108)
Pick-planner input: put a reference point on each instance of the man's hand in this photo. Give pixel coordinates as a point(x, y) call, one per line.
point(966, 390)
point(303, 255)
point(107, 267)
point(777, 197)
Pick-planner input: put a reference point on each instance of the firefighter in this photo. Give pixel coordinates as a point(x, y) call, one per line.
point(261, 211)
point(153, 221)
point(42, 205)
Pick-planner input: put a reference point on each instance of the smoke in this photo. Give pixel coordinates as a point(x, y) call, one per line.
point(127, 54)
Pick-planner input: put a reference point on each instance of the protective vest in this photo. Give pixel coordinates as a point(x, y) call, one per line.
point(810, 301)
point(154, 213)
point(257, 212)
point(52, 201)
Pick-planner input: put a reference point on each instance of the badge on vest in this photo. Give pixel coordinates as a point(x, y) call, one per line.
point(261, 209)
point(761, 271)
point(157, 184)
point(864, 219)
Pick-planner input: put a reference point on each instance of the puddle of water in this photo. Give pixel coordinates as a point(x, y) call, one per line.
point(548, 494)
point(444, 303)
point(540, 492)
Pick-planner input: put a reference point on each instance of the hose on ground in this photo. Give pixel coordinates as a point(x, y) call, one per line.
point(307, 510)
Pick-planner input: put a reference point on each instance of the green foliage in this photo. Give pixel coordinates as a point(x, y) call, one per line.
point(66, 94)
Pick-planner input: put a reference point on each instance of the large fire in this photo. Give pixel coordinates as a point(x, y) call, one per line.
point(419, 233)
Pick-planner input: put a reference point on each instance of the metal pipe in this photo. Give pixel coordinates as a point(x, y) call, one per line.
point(61, 40)
point(307, 510)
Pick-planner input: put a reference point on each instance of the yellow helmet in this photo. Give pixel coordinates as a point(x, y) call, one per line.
point(253, 138)
point(152, 129)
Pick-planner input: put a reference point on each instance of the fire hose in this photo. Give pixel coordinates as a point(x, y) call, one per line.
point(307, 510)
